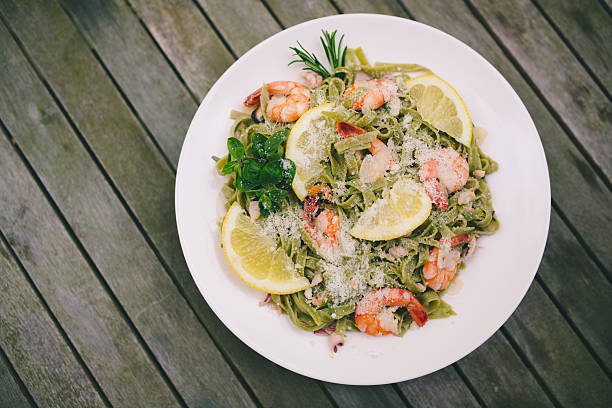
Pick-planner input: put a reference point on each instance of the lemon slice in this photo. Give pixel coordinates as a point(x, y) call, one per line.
point(439, 104)
point(254, 256)
point(307, 145)
point(401, 210)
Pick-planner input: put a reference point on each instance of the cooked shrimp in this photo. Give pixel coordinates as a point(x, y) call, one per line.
point(289, 100)
point(321, 226)
point(444, 172)
point(380, 91)
point(374, 312)
point(373, 166)
point(441, 266)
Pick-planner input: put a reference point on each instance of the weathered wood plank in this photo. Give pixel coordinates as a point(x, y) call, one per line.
point(195, 50)
point(242, 23)
point(390, 7)
point(562, 81)
point(11, 395)
point(39, 354)
point(500, 377)
point(444, 388)
point(362, 396)
point(292, 12)
point(570, 174)
point(554, 350)
point(569, 274)
point(72, 291)
point(112, 30)
point(145, 183)
point(587, 27)
point(125, 260)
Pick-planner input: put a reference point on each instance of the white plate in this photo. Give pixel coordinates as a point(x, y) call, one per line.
point(496, 278)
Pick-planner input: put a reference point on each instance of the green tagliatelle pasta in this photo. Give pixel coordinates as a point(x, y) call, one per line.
point(343, 280)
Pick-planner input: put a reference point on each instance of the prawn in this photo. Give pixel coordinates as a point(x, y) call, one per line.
point(373, 166)
point(445, 172)
point(289, 100)
point(321, 226)
point(380, 91)
point(374, 312)
point(441, 265)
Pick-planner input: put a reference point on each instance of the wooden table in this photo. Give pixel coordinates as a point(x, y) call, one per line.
point(97, 306)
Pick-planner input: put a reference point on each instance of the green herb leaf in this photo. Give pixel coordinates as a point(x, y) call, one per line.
point(265, 205)
point(235, 148)
point(229, 167)
point(272, 147)
point(272, 173)
point(277, 195)
point(257, 147)
point(288, 173)
point(251, 171)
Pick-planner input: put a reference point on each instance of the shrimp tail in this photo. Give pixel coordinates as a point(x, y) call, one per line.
point(253, 99)
point(417, 312)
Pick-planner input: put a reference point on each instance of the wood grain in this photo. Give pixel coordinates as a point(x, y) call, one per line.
point(500, 377)
point(444, 388)
point(121, 254)
point(292, 12)
point(587, 27)
point(195, 50)
point(562, 81)
point(242, 23)
point(32, 343)
point(364, 396)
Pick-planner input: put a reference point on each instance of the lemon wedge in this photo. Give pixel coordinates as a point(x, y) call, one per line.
point(397, 213)
point(439, 104)
point(254, 256)
point(307, 145)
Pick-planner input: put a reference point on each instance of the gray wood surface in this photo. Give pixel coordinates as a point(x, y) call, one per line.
point(113, 241)
point(555, 71)
point(12, 394)
point(31, 341)
point(587, 29)
point(110, 29)
point(199, 56)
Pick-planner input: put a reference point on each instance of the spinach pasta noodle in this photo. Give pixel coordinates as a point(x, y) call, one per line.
point(366, 133)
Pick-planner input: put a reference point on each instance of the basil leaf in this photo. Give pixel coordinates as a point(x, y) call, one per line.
point(272, 173)
point(273, 148)
point(265, 205)
point(257, 147)
point(235, 148)
point(229, 167)
point(277, 195)
point(251, 171)
point(283, 134)
point(242, 184)
point(287, 173)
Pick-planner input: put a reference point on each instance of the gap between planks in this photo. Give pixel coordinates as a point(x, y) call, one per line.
point(13, 373)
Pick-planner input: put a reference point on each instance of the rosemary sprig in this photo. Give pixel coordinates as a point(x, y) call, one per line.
point(310, 60)
point(336, 55)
